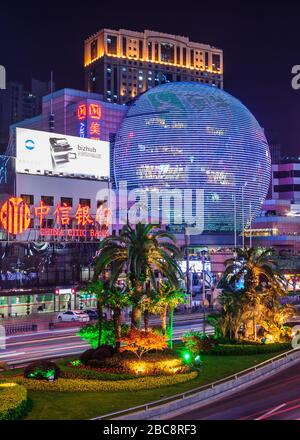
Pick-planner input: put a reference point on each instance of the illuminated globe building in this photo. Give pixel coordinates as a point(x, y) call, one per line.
point(190, 135)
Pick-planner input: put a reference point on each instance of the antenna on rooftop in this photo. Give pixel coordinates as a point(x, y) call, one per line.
point(51, 116)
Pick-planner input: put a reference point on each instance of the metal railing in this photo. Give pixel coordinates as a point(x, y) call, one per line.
point(193, 391)
point(20, 328)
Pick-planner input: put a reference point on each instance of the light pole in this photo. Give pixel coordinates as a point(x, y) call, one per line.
point(188, 289)
point(250, 209)
point(205, 303)
point(234, 219)
point(243, 217)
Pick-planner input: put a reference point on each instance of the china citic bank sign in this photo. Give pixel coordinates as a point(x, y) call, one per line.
point(16, 215)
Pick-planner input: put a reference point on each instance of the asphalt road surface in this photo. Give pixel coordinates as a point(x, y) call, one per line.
point(48, 344)
point(277, 398)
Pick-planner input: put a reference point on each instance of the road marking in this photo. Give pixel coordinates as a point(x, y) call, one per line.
point(12, 354)
point(265, 415)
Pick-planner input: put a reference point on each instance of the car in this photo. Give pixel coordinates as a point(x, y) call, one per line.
point(93, 314)
point(73, 315)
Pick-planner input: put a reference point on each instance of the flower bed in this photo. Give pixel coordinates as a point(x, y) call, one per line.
point(154, 364)
point(13, 401)
point(80, 385)
point(84, 372)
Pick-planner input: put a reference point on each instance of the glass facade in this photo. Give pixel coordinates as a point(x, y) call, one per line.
point(194, 136)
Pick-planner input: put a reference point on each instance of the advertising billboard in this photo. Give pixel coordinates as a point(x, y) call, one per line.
point(41, 152)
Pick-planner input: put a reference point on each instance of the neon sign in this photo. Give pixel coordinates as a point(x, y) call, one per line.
point(81, 112)
point(15, 217)
point(95, 111)
point(88, 117)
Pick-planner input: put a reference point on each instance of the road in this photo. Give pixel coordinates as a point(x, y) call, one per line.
point(277, 398)
point(64, 342)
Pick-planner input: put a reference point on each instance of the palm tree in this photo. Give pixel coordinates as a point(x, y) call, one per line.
point(139, 251)
point(99, 288)
point(167, 297)
point(117, 299)
point(255, 266)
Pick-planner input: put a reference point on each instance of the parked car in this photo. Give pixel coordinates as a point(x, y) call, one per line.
point(73, 315)
point(93, 314)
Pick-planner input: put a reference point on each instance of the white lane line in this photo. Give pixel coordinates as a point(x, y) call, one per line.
point(263, 416)
point(21, 353)
point(36, 341)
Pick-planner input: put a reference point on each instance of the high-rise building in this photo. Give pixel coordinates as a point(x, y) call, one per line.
point(75, 113)
point(286, 180)
point(121, 64)
point(17, 104)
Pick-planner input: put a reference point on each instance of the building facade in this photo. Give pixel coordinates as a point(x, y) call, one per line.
point(75, 113)
point(286, 181)
point(121, 64)
point(18, 103)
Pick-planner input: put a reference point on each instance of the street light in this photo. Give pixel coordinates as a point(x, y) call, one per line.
point(205, 303)
point(188, 289)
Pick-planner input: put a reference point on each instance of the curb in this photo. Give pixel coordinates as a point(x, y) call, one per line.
point(195, 399)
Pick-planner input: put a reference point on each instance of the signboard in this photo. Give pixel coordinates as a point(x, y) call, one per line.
point(41, 152)
point(89, 115)
point(16, 216)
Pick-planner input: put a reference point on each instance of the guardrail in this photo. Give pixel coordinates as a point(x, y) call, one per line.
point(193, 391)
point(20, 328)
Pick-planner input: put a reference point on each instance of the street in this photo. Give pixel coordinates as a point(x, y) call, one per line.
point(277, 398)
point(23, 348)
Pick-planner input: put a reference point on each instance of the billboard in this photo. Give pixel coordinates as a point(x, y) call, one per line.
point(41, 152)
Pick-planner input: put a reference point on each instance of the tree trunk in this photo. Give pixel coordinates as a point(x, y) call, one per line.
point(100, 322)
point(118, 327)
point(254, 328)
point(171, 318)
point(146, 320)
point(135, 316)
point(163, 317)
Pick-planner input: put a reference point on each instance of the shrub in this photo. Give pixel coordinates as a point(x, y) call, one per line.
point(86, 355)
point(42, 370)
point(13, 401)
point(3, 366)
point(90, 333)
point(248, 349)
point(197, 342)
point(86, 372)
point(151, 364)
point(80, 385)
point(140, 342)
point(98, 354)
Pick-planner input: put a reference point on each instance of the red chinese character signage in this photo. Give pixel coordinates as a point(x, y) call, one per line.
point(81, 112)
point(15, 217)
point(95, 111)
point(88, 116)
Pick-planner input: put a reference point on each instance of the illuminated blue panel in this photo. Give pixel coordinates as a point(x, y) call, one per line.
point(191, 135)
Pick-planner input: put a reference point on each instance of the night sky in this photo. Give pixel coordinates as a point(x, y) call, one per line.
point(260, 40)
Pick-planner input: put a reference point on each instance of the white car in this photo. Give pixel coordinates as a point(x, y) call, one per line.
point(73, 315)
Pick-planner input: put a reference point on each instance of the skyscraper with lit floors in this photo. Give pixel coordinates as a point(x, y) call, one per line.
point(121, 64)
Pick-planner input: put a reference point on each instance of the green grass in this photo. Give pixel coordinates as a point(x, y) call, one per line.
point(80, 406)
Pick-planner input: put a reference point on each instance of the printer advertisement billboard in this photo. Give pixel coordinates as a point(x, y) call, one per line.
point(41, 152)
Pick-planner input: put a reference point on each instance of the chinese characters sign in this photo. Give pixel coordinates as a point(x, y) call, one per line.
point(89, 116)
point(16, 216)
